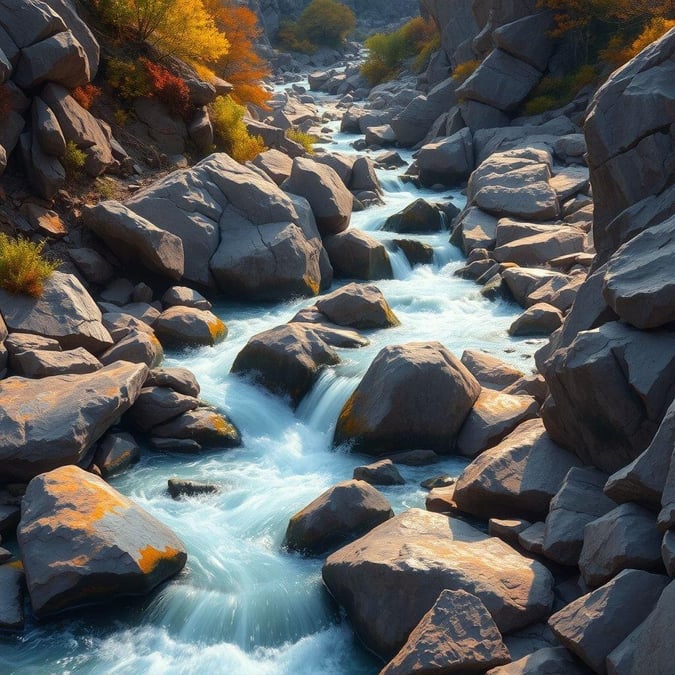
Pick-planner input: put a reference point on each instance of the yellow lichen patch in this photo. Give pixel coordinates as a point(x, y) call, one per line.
point(217, 329)
point(350, 424)
point(151, 557)
point(15, 564)
point(392, 319)
point(221, 425)
point(312, 284)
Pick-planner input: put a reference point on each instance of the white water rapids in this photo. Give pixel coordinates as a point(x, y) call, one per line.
point(243, 605)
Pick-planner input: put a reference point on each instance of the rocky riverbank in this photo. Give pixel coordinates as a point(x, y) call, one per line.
point(552, 550)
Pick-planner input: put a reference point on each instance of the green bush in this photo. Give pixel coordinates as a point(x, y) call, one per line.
point(323, 23)
point(73, 160)
point(306, 140)
point(555, 92)
point(387, 52)
point(230, 132)
point(23, 269)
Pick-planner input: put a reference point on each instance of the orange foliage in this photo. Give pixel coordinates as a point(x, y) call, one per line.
point(241, 66)
point(168, 88)
point(86, 95)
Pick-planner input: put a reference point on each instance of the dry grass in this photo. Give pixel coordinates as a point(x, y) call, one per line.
point(23, 268)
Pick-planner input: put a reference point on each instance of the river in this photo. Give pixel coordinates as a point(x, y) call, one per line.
point(243, 605)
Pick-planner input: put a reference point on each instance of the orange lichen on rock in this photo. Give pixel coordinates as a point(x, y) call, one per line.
point(151, 557)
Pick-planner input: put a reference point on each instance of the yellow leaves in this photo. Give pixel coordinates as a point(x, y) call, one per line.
point(230, 131)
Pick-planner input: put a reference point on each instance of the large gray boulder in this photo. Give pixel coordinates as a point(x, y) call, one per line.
point(447, 161)
point(391, 577)
point(415, 395)
point(594, 624)
point(330, 200)
point(344, 512)
point(356, 255)
point(83, 542)
point(610, 389)
point(64, 311)
point(29, 21)
point(285, 360)
point(189, 327)
point(527, 39)
point(67, 413)
point(456, 635)
point(357, 306)
point(516, 478)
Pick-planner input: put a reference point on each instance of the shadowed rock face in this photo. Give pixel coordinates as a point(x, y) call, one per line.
point(83, 542)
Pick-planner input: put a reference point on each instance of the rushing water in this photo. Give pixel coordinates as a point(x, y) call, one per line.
point(243, 605)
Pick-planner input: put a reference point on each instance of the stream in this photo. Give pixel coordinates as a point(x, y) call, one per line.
point(243, 605)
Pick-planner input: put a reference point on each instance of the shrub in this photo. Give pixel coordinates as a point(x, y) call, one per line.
point(23, 269)
point(182, 28)
point(230, 132)
point(306, 140)
point(168, 88)
point(618, 51)
point(86, 95)
point(463, 71)
point(555, 92)
point(129, 78)
point(323, 23)
point(73, 160)
point(417, 39)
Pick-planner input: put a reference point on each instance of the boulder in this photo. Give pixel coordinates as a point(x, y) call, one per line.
point(59, 58)
point(412, 396)
point(189, 327)
point(532, 538)
point(286, 360)
point(137, 346)
point(46, 129)
point(29, 21)
point(595, 624)
point(92, 265)
point(539, 319)
point(200, 130)
point(523, 281)
point(457, 635)
point(416, 218)
point(202, 427)
point(624, 538)
point(64, 311)
point(447, 161)
point(493, 416)
point(342, 513)
point(330, 200)
point(647, 648)
point(539, 249)
point(644, 479)
point(638, 283)
point(364, 178)
point(609, 391)
point(527, 39)
point(391, 577)
point(383, 472)
point(179, 379)
point(12, 581)
point(68, 414)
point(356, 255)
point(178, 488)
point(115, 453)
point(516, 478)
point(113, 546)
point(129, 234)
point(476, 228)
point(547, 661)
point(275, 164)
point(416, 252)
point(579, 501)
point(184, 297)
point(39, 363)
point(490, 371)
point(357, 306)
point(158, 405)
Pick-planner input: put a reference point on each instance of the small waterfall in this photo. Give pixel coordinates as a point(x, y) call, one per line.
point(321, 407)
point(400, 266)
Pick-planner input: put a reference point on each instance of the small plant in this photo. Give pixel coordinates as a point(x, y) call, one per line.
point(23, 268)
point(168, 88)
point(121, 116)
point(129, 78)
point(555, 92)
point(86, 95)
point(464, 71)
point(73, 160)
point(105, 188)
point(230, 132)
point(306, 140)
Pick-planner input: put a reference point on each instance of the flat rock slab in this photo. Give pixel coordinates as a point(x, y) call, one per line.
point(50, 422)
point(490, 371)
point(455, 636)
point(547, 661)
point(597, 623)
point(83, 542)
point(391, 577)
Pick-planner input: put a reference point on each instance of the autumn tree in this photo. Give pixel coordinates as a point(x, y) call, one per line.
point(241, 66)
point(323, 23)
point(182, 28)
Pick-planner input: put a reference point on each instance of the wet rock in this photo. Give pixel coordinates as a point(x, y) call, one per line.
point(624, 538)
point(456, 635)
point(286, 359)
point(202, 427)
point(579, 501)
point(474, 229)
point(490, 371)
point(379, 473)
point(179, 487)
point(592, 626)
point(493, 416)
point(417, 555)
point(414, 395)
point(418, 217)
point(364, 178)
point(356, 255)
point(181, 380)
point(11, 597)
point(516, 478)
point(137, 346)
point(344, 512)
point(113, 546)
point(539, 319)
point(189, 327)
point(158, 405)
point(116, 452)
point(447, 161)
point(330, 200)
point(185, 297)
point(358, 306)
point(415, 457)
point(68, 414)
point(416, 252)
